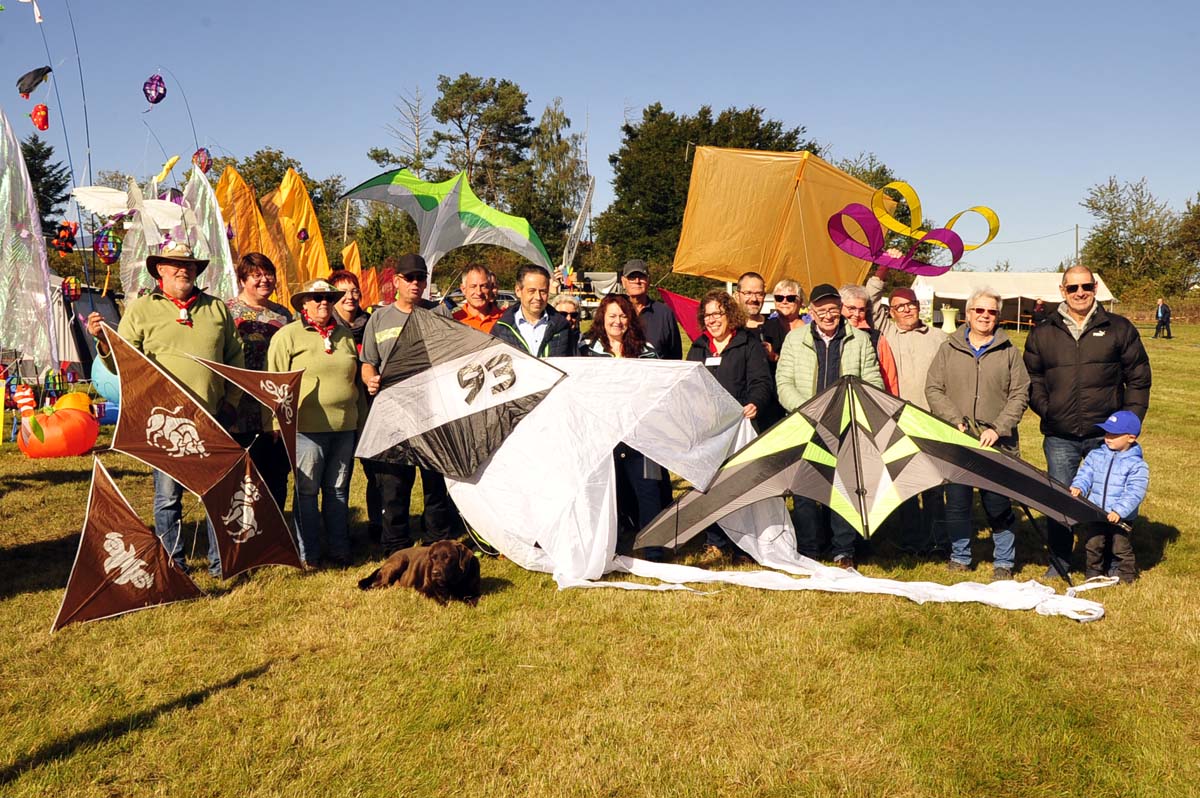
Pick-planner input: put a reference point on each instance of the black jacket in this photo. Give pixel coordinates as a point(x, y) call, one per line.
point(556, 343)
point(1075, 385)
point(744, 370)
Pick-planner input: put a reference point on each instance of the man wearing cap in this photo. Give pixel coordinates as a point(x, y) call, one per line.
point(657, 320)
point(914, 345)
point(532, 325)
point(1084, 365)
point(174, 320)
point(479, 309)
point(813, 358)
point(379, 370)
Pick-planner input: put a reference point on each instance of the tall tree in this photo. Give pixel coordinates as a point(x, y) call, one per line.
point(1131, 245)
point(548, 188)
point(652, 171)
point(51, 181)
point(412, 131)
point(487, 130)
point(1186, 245)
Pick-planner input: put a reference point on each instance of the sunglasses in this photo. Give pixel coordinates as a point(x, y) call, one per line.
point(787, 298)
point(984, 312)
point(414, 278)
point(569, 315)
point(1087, 288)
point(318, 298)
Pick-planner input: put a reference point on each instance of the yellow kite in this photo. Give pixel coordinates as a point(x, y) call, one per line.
point(250, 232)
point(290, 208)
point(767, 212)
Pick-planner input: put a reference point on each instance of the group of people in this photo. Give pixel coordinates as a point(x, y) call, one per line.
point(1084, 372)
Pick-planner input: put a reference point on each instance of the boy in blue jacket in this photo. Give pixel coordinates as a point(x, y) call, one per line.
point(1115, 478)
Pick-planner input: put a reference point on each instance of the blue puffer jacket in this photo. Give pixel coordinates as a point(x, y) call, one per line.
point(1116, 481)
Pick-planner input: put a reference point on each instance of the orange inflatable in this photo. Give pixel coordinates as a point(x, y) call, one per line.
point(58, 433)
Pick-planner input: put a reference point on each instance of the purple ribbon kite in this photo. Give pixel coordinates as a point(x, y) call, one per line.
point(874, 252)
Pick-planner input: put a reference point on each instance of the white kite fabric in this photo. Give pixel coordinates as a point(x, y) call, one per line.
point(547, 498)
point(26, 319)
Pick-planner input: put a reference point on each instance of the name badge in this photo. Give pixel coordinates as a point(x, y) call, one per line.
point(712, 361)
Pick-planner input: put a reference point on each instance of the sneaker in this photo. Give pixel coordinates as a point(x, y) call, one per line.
point(711, 555)
point(1001, 574)
point(845, 563)
point(956, 567)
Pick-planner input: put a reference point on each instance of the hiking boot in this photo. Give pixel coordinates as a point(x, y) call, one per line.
point(711, 555)
point(956, 567)
point(845, 563)
point(1001, 574)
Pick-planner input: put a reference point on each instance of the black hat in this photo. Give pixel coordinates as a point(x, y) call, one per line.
point(411, 264)
point(635, 267)
point(824, 291)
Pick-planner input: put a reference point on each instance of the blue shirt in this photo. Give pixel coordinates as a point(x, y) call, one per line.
point(533, 333)
point(978, 351)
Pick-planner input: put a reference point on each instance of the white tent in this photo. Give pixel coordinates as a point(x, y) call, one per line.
point(1019, 290)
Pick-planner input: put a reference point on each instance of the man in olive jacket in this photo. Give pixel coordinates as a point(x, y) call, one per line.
point(1084, 365)
point(813, 358)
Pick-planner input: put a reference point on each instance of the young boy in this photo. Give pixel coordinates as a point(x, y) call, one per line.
point(1114, 477)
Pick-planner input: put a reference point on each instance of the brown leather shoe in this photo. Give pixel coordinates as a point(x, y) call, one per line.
point(845, 563)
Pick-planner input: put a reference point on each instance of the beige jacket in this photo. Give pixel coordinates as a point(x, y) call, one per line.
point(914, 350)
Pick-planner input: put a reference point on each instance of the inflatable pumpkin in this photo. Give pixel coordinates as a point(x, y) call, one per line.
point(74, 401)
point(58, 433)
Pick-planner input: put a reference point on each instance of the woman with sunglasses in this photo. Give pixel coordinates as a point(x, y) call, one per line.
point(788, 316)
point(978, 382)
point(328, 411)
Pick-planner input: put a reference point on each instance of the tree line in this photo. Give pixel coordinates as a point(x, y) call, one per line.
point(537, 169)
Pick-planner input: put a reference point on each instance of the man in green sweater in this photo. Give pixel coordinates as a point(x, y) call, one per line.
point(167, 325)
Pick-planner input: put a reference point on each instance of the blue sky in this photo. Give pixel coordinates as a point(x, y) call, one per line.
point(1022, 106)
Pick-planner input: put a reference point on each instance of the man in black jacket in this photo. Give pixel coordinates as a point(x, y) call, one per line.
point(1084, 365)
point(1162, 319)
point(533, 325)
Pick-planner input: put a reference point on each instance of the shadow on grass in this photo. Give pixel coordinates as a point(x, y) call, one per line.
point(119, 727)
point(1150, 540)
point(491, 585)
point(58, 476)
point(41, 565)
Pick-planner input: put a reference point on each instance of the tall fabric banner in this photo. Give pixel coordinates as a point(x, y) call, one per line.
point(120, 566)
point(290, 210)
point(278, 391)
point(248, 231)
point(455, 394)
point(26, 323)
point(370, 288)
point(684, 309)
point(206, 234)
point(164, 427)
point(352, 260)
point(250, 528)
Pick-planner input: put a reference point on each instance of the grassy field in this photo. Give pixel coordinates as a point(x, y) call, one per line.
point(290, 684)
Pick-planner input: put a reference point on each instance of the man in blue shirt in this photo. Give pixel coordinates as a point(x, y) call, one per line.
point(533, 325)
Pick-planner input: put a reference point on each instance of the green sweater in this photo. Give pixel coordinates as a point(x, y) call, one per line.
point(796, 371)
point(151, 325)
point(329, 391)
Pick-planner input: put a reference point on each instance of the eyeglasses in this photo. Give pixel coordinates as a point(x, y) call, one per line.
point(855, 310)
point(1087, 288)
point(787, 297)
point(717, 315)
point(904, 308)
point(354, 292)
point(985, 311)
point(827, 313)
point(754, 294)
point(414, 278)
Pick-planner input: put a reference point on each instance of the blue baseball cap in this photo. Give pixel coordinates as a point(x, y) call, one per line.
point(1122, 422)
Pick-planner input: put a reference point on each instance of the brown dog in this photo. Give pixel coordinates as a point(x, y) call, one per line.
point(446, 570)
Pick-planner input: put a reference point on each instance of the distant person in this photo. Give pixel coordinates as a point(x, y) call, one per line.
point(532, 325)
point(1115, 478)
point(1162, 319)
point(479, 308)
point(814, 357)
point(1040, 315)
point(1084, 365)
point(656, 319)
point(568, 307)
point(978, 383)
point(752, 295)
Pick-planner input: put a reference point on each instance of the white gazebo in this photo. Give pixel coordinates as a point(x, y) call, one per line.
point(1018, 290)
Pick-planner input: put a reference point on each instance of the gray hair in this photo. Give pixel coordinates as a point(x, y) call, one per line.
point(849, 292)
point(788, 284)
point(562, 299)
point(986, 291)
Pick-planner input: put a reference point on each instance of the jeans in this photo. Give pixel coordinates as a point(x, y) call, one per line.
point(323, 461)
point(395, 482)
point(168, 523)
point(639, 497)
point(1063, 456)
point(1000, 517)
point(807, 519)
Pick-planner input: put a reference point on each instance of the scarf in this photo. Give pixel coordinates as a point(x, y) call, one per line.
point(325, 332)
point(184, 306)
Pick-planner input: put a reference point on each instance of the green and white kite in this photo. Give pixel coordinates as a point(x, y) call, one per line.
point(449, 215)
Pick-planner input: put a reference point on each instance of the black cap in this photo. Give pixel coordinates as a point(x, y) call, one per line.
point(824, 291)
point(635, 267)
point(411, 264)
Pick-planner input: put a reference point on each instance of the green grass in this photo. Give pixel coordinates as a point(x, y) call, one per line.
point(285, 684)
